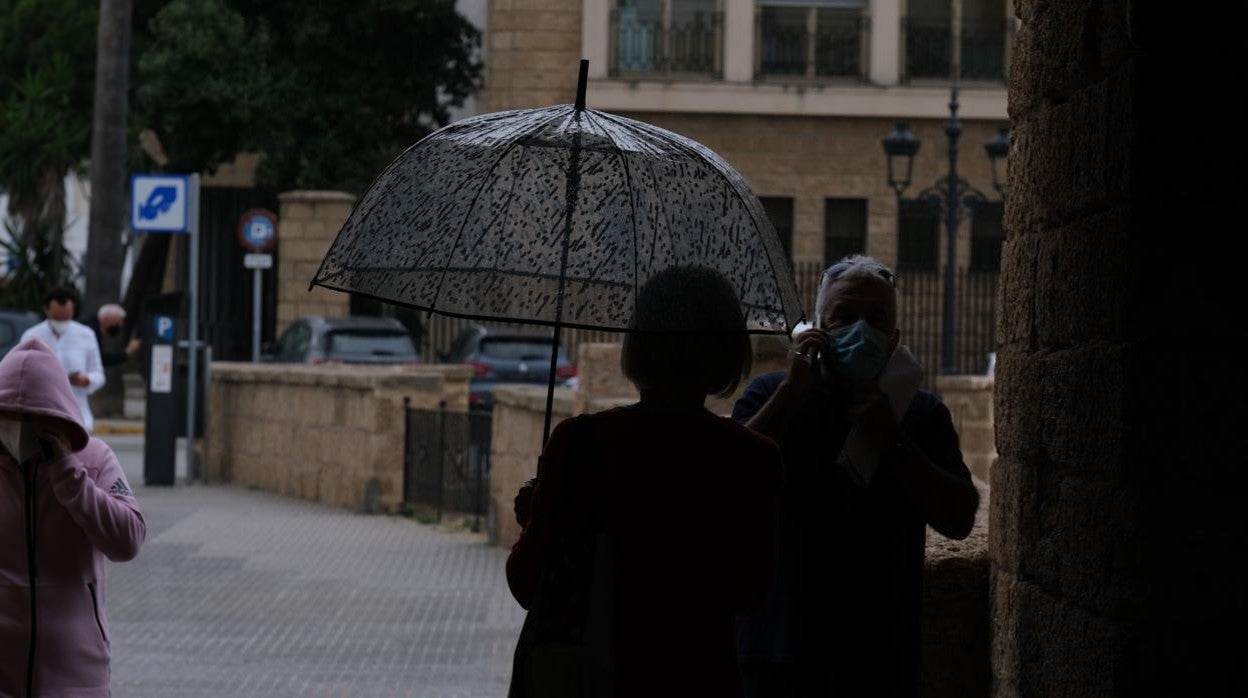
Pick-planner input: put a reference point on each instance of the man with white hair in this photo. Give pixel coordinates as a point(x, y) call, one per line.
point(108, 323)
point(842, 617)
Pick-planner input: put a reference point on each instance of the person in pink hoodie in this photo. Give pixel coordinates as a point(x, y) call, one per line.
point(65, 505)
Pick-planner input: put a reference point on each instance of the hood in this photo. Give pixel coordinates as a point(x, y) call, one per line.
point(32, 381)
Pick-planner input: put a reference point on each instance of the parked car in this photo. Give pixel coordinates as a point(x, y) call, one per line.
point(507, 356)
point(349, 340)
point(12, 324)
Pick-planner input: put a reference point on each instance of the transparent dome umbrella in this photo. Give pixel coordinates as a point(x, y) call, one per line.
point(557, 217)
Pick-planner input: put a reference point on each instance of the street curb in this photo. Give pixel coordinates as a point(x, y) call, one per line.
point(105, 429)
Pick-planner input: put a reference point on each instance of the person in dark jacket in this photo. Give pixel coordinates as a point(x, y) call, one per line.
point(108, 324)
point(687, 499)
point(842, 618)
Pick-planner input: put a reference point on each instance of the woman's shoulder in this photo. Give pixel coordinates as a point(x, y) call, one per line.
point(736, 435)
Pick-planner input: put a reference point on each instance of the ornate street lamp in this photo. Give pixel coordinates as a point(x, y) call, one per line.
point(951, 196)
point(898, 146)
point(998, 147)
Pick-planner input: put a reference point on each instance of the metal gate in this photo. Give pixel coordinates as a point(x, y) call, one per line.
point(446, 460)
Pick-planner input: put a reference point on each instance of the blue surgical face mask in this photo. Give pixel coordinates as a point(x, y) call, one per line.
point(858, 351)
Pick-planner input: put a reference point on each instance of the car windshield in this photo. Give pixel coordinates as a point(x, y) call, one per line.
point(517, 348)
point(370, 343)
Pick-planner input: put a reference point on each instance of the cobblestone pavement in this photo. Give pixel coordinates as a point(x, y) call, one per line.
point(240, 593)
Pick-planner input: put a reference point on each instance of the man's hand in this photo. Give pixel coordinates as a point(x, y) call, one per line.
point(801, 368)
point(524, 502)
point(79, 380)
point(873, 416)
point(133, 347)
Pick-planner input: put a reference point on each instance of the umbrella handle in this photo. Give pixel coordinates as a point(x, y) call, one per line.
point(581, 83)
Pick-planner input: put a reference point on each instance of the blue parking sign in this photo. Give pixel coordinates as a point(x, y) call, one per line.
point(163, 327)
point(159, 203)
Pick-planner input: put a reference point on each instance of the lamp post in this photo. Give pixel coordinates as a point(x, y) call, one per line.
point(951, 196)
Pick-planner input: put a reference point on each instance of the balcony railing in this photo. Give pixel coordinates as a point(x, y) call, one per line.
point(648, 45)
point(983, 50)
point(840, 45)
point(787, 46)
point(929, 48)
point(930, 43)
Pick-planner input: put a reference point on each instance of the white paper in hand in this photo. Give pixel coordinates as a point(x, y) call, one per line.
point(899, 382)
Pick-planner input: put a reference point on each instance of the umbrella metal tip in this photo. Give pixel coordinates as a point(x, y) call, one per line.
point(581, 83)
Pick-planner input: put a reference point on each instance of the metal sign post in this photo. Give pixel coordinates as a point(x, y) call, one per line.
point(192, 298)
point(164, 203)
point(257, 233)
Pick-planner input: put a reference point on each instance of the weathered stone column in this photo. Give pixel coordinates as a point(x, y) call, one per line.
point(1117, 521)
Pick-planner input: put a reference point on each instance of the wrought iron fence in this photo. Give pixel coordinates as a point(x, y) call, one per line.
point(446, 460)
point(649, 45)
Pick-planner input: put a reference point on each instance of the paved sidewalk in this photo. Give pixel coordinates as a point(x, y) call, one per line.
point(239, 593)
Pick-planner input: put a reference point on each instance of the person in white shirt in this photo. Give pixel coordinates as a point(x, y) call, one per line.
point(74, 344)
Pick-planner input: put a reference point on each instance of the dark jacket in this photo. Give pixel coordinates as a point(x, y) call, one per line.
point(688, 501)
point(107, 357)
point(846, 598)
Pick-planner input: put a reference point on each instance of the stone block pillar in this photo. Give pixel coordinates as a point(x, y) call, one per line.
point(308, 223)
point(1117, 528)
point(969, 399)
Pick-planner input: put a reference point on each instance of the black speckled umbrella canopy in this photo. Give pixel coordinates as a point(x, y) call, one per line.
point(557, 216)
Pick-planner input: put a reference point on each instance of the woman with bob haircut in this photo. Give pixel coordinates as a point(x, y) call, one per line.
point(685, 500)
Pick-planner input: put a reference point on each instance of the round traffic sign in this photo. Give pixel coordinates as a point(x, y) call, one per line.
point(257, 230)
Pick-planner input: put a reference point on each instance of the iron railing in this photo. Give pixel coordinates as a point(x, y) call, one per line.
point(787, 48)
point(982, 49)
point(686, 44)
point(446, 460)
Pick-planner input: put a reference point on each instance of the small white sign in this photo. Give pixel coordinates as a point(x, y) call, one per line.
point(162, 368)
point(255, 260)
point(159, 203)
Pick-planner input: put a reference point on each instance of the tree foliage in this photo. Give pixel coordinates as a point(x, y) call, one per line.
point(47, 63)
point(329, 92)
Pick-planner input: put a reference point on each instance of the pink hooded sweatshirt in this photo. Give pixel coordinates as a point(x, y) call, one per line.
point(59, 519)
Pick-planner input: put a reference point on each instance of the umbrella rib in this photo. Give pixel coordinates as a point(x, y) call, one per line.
point(632, 210)
point(527, 321)
point(485, 179)
point(661, 134)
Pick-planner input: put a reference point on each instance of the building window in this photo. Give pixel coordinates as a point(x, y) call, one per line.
point(666, 37)
point(918, 236)
point(779, 210)
point(987, 236)
point(966, 37)
point(844, 228)
point(811, 39)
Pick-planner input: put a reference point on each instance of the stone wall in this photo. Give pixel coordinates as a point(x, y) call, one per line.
point(1117, 516)
point(331, 434)
point(519, 415)
point(956, 632)
point(307, 223)
point(812, 159)
point(602, 384)
point(535, 53)
point(969, 399)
